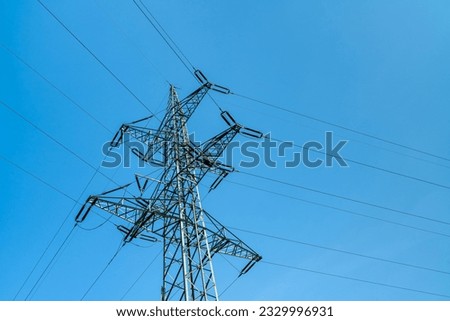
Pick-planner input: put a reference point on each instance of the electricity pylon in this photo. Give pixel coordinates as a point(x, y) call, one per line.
point(168, 208)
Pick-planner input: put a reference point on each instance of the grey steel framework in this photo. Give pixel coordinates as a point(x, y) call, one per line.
point(168, 208)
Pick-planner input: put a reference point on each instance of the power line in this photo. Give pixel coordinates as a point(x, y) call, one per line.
point(37, 178)
point(397, 152)
point(286, 266)
point(229, 286)
point(84, 110)
point(65, 240)
point(341, 251)
point(337, 208)
point(51, 265)
point(166, 34)
point(341, 127)
point(54, 236)
point(55, 140)
point(106, 220)
point(175, 48)
point(135, 45)
point(140, 276)
point(95, 56)
point(370, 166)
point(32, 124)
point(57, 232)
point(345, 198)
point(103, 271)
point(59, 191)
point(234, 280)
point(51, 261)
point(96, 169)
point(146, 15)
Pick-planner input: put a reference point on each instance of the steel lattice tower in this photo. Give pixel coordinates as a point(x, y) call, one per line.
point(168, 208)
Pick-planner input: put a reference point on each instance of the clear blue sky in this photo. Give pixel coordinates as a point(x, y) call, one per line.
point(381, 67)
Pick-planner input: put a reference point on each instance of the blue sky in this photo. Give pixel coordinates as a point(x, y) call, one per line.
point(380, 67)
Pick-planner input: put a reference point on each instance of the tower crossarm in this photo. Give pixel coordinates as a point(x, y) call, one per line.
point(133, 210)
point(149, 145)
point(140, 133)
point(126, 208)
point(214, 147)
point(208, 154)
point(223, 241)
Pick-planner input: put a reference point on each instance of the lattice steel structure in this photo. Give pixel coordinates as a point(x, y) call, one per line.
point(168, 208)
